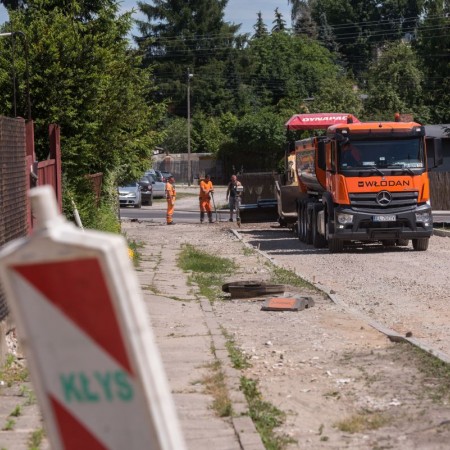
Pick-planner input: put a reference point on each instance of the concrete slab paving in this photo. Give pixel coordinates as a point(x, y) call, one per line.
point(186, 333)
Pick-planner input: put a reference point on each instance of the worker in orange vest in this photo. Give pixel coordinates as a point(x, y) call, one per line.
point(170, 197)
point(206, 190)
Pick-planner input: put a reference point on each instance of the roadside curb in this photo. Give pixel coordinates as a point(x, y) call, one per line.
point(442, 233)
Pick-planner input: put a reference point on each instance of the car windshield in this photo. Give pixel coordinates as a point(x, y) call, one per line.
point(133, 184)
point(384, 153)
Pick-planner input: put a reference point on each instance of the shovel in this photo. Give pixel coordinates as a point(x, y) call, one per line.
point(214, 204)
point(238, 214)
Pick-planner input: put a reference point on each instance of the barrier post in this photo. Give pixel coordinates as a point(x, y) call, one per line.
point(85, 332)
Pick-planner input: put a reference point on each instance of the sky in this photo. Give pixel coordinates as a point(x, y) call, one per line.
point(237, 11)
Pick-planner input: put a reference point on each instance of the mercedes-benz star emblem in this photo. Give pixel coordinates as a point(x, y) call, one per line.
point(384, 198)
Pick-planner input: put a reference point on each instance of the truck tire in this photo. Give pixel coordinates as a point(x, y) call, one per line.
point(318, 241)
point(388, 242)
point(420, 244)
point(402, 242)
point(308, 224)
point(300, 223)
point(335, 245)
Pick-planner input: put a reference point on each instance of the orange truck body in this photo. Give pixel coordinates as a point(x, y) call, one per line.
point(382, 196)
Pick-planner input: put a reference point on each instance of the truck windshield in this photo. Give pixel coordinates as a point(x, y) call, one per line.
point(384, 153)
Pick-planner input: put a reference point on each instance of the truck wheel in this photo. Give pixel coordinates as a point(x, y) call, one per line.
point(308, 224)
point(318, 241)
point(420, 244)
point(402, 242)
point(300, 224)
point(335, 245)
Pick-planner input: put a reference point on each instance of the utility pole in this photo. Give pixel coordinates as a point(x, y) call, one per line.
point(189, 76)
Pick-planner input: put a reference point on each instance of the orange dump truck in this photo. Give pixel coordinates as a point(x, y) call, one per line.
point(358, 182)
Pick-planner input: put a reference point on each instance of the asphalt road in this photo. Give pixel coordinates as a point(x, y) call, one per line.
point(157, 213)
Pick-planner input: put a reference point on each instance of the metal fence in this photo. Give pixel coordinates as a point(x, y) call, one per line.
point(13, 186)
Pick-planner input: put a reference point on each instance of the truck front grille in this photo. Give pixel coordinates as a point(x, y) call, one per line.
point(400, 201)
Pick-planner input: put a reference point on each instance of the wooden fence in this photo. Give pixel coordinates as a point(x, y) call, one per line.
point(440, 190)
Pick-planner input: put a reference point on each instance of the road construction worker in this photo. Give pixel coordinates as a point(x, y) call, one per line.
point(233, 195)
point(206, 190)
point(170, 197)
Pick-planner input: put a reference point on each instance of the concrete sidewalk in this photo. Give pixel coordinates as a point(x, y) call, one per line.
point(190, 341)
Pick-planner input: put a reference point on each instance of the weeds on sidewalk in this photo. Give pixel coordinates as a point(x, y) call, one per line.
point(12, 371)
point(215, 386)
point(207, 271)
point(133, 248)
point(35, 439)
point(265, 416)
point(238, 359)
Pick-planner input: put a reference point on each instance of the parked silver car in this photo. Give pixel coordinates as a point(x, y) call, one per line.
point(130, 195)
point(159, 188)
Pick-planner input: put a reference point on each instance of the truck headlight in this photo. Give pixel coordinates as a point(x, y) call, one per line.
point(423, 217)
point(344, 219)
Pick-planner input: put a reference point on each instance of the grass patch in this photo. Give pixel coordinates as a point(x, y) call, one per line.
point(238, 358)
point(25, 391)
point(215, 386)
point(197, 261)
point(13, 372)
point(208, 271)
point(265, 416)
point(16, 412)
point(135, 253)
point(248, 251)
point(9, 425)
point(287, 277)
point(436, 373)
point(363, 421)
point(35, 440)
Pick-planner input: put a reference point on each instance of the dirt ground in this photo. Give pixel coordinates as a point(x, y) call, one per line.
point(342, 383)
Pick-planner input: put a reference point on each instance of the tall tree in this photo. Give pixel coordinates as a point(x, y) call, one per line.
point(395, 84)
point(302, 20)
point(287, 66)
point(85, 78)
point(360, 27)
point(260, 27)
point(179, 34)
point(279, 24)
point(433, 47)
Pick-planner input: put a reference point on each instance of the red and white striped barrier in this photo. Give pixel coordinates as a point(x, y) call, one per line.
point(85, 332)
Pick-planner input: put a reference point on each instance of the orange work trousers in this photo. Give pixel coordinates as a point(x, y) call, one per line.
point(170, 208)
point(205, 205)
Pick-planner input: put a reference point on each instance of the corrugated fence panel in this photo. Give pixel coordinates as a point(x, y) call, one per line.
point(13, 186)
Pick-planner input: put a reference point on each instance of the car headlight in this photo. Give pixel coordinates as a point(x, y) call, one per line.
point(344, 219)
point(423, 217)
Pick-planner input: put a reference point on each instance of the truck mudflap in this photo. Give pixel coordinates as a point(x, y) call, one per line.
point(376, 225)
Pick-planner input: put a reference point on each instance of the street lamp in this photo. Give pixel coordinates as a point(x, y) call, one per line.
point(189, 76)
point(27, 74)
